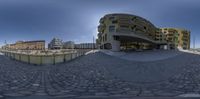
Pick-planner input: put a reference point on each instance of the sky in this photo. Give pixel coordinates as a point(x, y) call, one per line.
point(77, 20)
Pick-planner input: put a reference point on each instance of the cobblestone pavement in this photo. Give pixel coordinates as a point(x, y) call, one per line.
point(99, 75)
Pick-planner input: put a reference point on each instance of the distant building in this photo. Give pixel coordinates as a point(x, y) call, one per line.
point(69, 45)
point(177, 38)
point(86, 46)
point(55, 43)
point(26, 45)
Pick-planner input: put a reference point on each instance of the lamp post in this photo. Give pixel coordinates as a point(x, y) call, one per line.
point(194, 42)
point(93, 43)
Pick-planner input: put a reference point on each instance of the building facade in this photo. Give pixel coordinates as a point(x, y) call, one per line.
point(86, 46)
point(69, 45)
point(177, 38)
point(26, 45)
point(129, 32)
point(125, 31)
point(55, 43)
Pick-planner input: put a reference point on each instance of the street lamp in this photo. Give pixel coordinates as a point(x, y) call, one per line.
point(194, 43)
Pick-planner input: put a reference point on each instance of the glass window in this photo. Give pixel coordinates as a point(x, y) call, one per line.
point(124, 26)
point(133, 18)
point(111, 28)
point(116, 38)
point(132, 28)
point(114, 22)
point(111, 18)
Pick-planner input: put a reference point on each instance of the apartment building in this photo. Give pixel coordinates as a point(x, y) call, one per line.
point(26, 45)
point(130, 32)
point(177, 37)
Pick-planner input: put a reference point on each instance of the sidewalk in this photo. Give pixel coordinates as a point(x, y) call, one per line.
point(150, 55)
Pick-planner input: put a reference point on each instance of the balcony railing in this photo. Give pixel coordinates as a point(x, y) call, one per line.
point(123, 30)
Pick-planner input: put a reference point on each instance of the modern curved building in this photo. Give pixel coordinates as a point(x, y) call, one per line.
point(177, 38)
point(125, 31)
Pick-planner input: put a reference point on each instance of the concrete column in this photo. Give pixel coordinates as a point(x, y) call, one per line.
point(40, 60)
point(54, 61)
point(165, 47)
point(115, 45)
point(19, 57)
point(64, 58)
point(28, 59)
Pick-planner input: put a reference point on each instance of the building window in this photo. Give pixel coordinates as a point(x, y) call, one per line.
point(114, 22)
point(145, 27)
point(124, 26)
point(116, 37)
point(133, 28)
point(102, 31)
point(111, 18)
point(133, 19)
point(111, 28)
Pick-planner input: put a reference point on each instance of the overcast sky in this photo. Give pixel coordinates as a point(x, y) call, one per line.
point(77, 20)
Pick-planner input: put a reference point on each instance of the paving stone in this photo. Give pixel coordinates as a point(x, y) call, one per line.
point(101, 94)
point(99, 75)
point(1, 97)
point(25, 92)
point(13, 94)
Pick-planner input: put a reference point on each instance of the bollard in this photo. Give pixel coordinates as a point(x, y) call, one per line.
point(54, 61)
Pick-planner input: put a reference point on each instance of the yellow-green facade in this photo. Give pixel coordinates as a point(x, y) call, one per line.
point(124, 31)
point(177, 38)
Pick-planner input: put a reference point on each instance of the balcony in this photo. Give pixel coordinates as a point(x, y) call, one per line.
point(102, 20)
point(124, 18)
point(172, 30)
point(101, 27)
point(185, 36)
point(158, 37)
point(123, 30)
point(99, 34)
point(185, 39)
point(127, 22)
